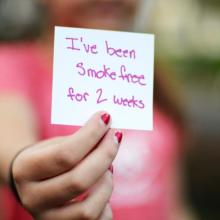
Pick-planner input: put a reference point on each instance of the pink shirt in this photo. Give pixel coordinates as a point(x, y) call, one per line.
point(145, 166)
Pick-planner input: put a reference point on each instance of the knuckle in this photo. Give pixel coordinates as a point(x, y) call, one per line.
point(108, 179)
point(18, 172)
point(109, 215)
point(110, 183)
point(78, 185)
point(88, 213)
point(111, 153)
point(109, 190)
point(28, 202)
point(64, 158)
point(45, 215)
point(17, 175)
point(94, 134)
point(30, 199)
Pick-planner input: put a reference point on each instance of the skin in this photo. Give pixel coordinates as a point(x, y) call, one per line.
point(56, 171)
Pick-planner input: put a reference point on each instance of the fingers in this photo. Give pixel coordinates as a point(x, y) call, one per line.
point(93, 207)
point(60, 189)
point(61, 154)
point(57, 171)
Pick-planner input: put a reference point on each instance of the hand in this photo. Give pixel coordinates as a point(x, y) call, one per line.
point(51, 175)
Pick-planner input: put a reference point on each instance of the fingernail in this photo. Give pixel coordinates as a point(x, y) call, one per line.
point(106, 118)
point(118, 137)
point(111, 169)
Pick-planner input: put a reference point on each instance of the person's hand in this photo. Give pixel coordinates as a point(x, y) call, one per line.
point(51, 175)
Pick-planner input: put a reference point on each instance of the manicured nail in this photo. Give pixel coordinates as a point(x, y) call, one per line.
point(111, 169)
point(118, 137)
point(106, 118)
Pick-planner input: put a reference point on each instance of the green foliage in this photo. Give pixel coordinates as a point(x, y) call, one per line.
point(195, 67)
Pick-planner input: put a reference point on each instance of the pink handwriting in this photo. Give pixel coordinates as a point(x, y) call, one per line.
point(78, 44)
point(77, 96)
point(131, 78)
point(107, 73)
point(122, 53)
point(131, 102)
point(103, 73)
point(100, 99)
point(128, 102)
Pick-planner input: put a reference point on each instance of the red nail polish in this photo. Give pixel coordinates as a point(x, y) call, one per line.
point(111, 169)
point(105, 118)
point(118, 136)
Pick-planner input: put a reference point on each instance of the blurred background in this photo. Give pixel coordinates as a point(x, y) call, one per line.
point(188, 45)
